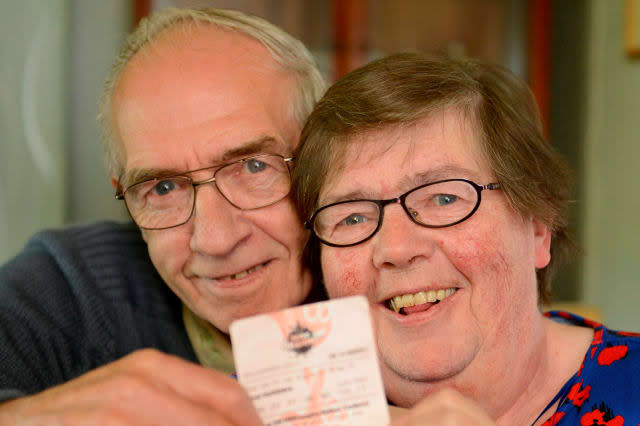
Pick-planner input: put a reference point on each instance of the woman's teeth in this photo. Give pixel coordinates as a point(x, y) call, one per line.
point(406, 300)
point(242, 274)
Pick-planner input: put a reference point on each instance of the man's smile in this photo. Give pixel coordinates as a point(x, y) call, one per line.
point(240, 275)
point(229, 278)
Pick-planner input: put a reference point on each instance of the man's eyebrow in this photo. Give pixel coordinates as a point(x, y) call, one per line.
point(266, 144)
point(138, 175)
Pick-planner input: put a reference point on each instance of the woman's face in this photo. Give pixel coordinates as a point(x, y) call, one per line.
point(487, 263)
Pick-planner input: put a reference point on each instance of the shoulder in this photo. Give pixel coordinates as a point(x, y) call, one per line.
point(78, 297)
point(92, 257)
point(607, 346)
point(76, 269)
point(94, 278)
point(610, 346)
point(87, 240)
point(610, 379)
point(607, 385)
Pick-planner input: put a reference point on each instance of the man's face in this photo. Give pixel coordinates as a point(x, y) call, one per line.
point(489, 261)
point(194, 99)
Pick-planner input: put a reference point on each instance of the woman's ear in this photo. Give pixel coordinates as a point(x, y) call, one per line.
point(542, 241)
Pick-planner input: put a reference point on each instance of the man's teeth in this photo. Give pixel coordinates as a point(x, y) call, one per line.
point(242, 274)
point(431, 296)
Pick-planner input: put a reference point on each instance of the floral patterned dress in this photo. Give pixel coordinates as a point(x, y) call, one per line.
point(606, 388)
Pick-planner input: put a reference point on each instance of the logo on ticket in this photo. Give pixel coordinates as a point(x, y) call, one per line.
point(303, 328)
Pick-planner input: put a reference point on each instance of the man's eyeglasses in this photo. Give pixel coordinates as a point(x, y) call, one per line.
point(250, 183)
point(433, 205)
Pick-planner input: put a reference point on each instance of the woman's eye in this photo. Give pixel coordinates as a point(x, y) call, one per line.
point(445, 199)
point(354, 219)
point(164, 187)
point(255, 166)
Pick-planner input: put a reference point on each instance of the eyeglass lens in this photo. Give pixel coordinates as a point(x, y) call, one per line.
point(435, 205)
point(247, 184)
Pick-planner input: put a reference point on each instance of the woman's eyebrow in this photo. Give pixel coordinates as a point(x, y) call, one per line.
point(407, 182)
point(448, 171)
point(359, 194)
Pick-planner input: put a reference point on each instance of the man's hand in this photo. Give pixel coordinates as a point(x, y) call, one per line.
point(445, 408)
point(144, 388)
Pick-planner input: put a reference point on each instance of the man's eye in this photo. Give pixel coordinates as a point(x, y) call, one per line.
point(255, 166)
point(354, 219)
point(445, 199)
point(164, 187)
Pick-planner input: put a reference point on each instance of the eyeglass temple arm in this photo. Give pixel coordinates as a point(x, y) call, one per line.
point(119, 193)
point(491, 186)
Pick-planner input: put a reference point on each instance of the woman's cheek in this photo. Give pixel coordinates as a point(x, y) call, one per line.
point(486, 262)
point(341, 271)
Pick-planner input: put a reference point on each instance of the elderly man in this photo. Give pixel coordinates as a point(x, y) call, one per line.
point(201, 112)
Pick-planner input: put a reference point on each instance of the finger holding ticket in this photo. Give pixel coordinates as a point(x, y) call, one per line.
point(312, 365)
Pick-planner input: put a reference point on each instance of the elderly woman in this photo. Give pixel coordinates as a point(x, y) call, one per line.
point(430, 189)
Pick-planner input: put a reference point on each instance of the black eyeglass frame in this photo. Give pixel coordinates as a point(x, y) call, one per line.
point(401, 200)
point(120, 193)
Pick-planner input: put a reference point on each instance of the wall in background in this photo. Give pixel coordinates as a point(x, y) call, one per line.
point(567, 123)
point(33, 119)
point(97, 29)
point(55, 55)
point(612, 170)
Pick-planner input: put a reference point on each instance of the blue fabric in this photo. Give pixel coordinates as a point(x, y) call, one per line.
point(78, 298)
point(606, 389)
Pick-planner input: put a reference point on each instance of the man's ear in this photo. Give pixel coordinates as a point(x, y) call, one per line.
point(114, 183)
point(542, 241)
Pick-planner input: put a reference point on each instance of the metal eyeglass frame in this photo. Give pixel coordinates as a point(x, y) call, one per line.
point(120, 193)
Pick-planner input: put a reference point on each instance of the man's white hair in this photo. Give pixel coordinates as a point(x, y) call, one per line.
point(285, 49)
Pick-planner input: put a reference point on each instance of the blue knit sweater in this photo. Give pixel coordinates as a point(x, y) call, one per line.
point(78, 298)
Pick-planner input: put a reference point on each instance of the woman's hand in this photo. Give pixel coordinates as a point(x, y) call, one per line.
point(444, 408)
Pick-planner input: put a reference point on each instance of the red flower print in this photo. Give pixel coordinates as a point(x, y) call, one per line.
point(597, 337)
point(591, 323)
point(612, 353)
point(577, 396)
point(601, 415)
point(581, 368)
point(553, 420)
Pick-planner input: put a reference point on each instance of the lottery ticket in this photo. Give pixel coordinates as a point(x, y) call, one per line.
point(312, 365)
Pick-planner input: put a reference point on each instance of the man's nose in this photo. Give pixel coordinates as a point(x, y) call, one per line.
point(400, 241)
point(218, 227)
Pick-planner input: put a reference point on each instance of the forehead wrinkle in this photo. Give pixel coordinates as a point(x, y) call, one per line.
point(264, 144)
